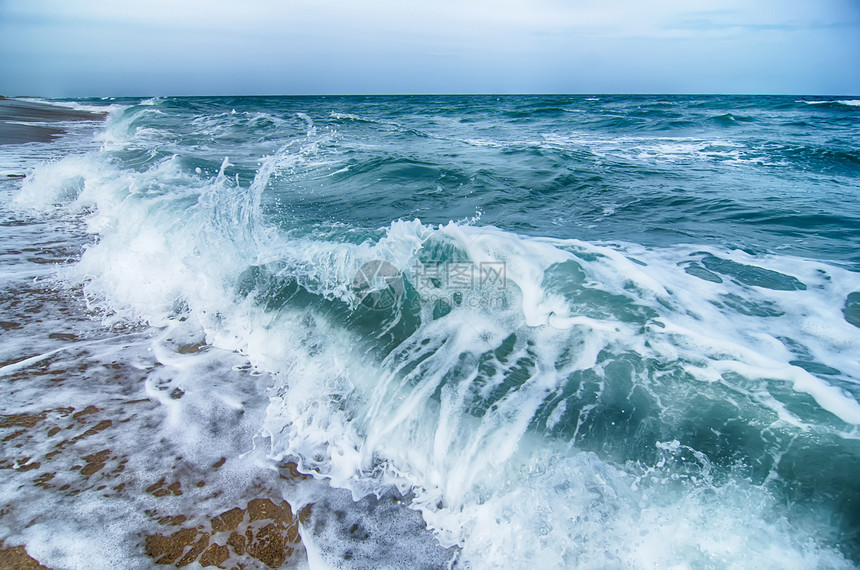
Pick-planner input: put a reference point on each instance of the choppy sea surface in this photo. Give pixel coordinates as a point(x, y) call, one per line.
point(570, 331)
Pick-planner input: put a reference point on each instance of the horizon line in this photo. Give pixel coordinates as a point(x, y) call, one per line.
point(464, 94)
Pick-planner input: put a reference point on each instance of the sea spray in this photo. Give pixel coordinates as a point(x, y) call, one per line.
point(618, 398)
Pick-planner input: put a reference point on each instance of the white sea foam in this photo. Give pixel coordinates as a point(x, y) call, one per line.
point(359, 118)
point(659, 150)
point(349, 116)
point(849, 102)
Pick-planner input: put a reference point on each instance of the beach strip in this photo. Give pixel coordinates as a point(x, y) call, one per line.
point(24, 121)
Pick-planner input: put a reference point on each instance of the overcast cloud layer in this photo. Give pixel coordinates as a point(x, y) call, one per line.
point(112, 48)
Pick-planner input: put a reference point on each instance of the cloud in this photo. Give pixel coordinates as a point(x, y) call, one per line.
point(446, 45)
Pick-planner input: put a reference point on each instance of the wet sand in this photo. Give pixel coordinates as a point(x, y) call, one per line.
point(260, 531)
point(25, 121)
point(16, 557)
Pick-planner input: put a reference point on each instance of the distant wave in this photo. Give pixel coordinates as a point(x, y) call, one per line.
point(849, 102)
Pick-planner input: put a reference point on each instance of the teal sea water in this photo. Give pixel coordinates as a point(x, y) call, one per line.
point(573, 331)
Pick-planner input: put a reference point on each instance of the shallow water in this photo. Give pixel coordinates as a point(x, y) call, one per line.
point(606, 331)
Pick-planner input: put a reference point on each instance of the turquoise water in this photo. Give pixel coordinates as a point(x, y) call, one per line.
point(578, 331)
point(755, 173)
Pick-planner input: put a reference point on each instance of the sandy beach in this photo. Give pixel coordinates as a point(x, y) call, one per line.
point(27, 121)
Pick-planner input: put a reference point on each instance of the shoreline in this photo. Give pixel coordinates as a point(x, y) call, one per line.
point(98, 469)
point(27, 121)
point(85, 442)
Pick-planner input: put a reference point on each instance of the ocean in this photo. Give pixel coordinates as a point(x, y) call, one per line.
point(601, 331)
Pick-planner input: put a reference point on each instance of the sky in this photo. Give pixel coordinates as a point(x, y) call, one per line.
point(65, 48)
